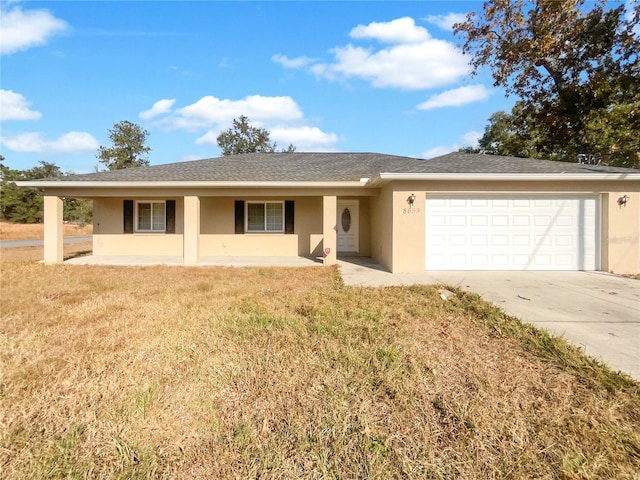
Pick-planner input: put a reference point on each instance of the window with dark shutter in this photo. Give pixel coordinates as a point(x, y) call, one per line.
point(239, 215)
point(170, 212)
point(288, 216)
point(127, 206)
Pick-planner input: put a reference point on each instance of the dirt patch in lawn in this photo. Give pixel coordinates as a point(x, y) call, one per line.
point(158, 372)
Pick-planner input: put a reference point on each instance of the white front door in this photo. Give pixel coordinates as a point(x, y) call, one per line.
point(347, 225)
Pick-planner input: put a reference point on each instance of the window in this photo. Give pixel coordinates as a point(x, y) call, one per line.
point(265, 216)
point(150, 216)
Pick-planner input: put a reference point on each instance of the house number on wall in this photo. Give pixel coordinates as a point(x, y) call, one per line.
point(411, 210)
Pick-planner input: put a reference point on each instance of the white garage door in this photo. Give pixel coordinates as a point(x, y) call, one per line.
point(512, 233)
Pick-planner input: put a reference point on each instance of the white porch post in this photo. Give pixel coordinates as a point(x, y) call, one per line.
point(329, 233)
point(53, 230)
point(191, 235)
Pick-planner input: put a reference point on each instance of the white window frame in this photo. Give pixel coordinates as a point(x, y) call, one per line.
point(264, 227)
point(137, 229)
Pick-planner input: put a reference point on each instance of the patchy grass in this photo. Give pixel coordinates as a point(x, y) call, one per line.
point(20, 231)
point(165, 372)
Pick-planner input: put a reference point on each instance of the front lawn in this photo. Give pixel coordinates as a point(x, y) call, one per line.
point(171, 372)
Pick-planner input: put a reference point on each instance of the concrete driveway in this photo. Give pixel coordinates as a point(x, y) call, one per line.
point(594, 310)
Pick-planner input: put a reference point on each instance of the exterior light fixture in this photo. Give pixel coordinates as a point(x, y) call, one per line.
point(622, 201)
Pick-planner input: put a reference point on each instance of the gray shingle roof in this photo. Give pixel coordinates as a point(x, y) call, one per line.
point(333, 167)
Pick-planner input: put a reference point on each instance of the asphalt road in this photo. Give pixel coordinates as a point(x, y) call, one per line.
point(36, 242)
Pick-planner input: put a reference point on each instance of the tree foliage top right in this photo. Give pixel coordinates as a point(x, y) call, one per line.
point(574, 66)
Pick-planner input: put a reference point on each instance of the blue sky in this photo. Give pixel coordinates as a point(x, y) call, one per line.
point(382, 77)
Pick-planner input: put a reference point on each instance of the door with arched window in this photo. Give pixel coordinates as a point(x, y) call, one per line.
point(348, 226)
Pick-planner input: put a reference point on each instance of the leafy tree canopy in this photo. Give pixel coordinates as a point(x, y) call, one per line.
point(25, 205)
point(128, 147)
point(574, 69)
point(243, 137)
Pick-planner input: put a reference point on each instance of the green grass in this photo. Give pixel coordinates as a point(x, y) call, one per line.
point(160, 372)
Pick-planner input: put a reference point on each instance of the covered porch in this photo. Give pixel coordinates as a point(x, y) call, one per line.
point(212, 228)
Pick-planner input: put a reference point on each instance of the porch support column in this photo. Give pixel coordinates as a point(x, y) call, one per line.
point(191, 236)
point(53, 230)
point(329, 233)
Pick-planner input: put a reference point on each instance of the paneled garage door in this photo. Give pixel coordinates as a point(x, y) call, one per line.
point(512, 233)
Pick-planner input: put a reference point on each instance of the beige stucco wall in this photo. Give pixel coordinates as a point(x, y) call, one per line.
point(217, 230)
point(390, 232)
point(381, 218)
point(218, 227)
point(107, 214)
point(620, 226)
point(138, 244)
point(621, 232)
point(108, 228)
point(53, 230)
point(408, 231)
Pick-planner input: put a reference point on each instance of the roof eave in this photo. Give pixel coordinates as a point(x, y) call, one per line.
point(187, 184)
point(519, 177)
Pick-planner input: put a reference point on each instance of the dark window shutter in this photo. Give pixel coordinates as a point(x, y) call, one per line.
point(170, 212)
point(239, 216)
point(288, 216)
point(127, 207)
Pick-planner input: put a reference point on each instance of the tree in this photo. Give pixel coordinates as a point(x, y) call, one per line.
point(575, 71)
point(25, 205)
point(128, 147)
point(514, 134)
point(242, 137)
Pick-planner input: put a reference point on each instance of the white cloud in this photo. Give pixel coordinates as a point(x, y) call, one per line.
point(297, 62)
point(400, 30)
point(280, 115)
point(211, 111)
point(209, 138)
point(445, 22)
point(33, 142)
point(469, 139)
point(23, 29)
point(305, 138)
point(159, 108)
point(415, 61)
point(456, 97)
point(189, 157)
point(417, 66)
point(13, 106)
point(437, 151)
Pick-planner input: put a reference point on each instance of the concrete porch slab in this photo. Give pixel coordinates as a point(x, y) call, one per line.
point(147, 260)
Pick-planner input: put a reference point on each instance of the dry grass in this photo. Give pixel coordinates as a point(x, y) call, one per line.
point(35, 254)
point(161, 372)
point(19, 231)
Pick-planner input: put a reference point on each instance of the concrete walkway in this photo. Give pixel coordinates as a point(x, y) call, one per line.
point(594, 310)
